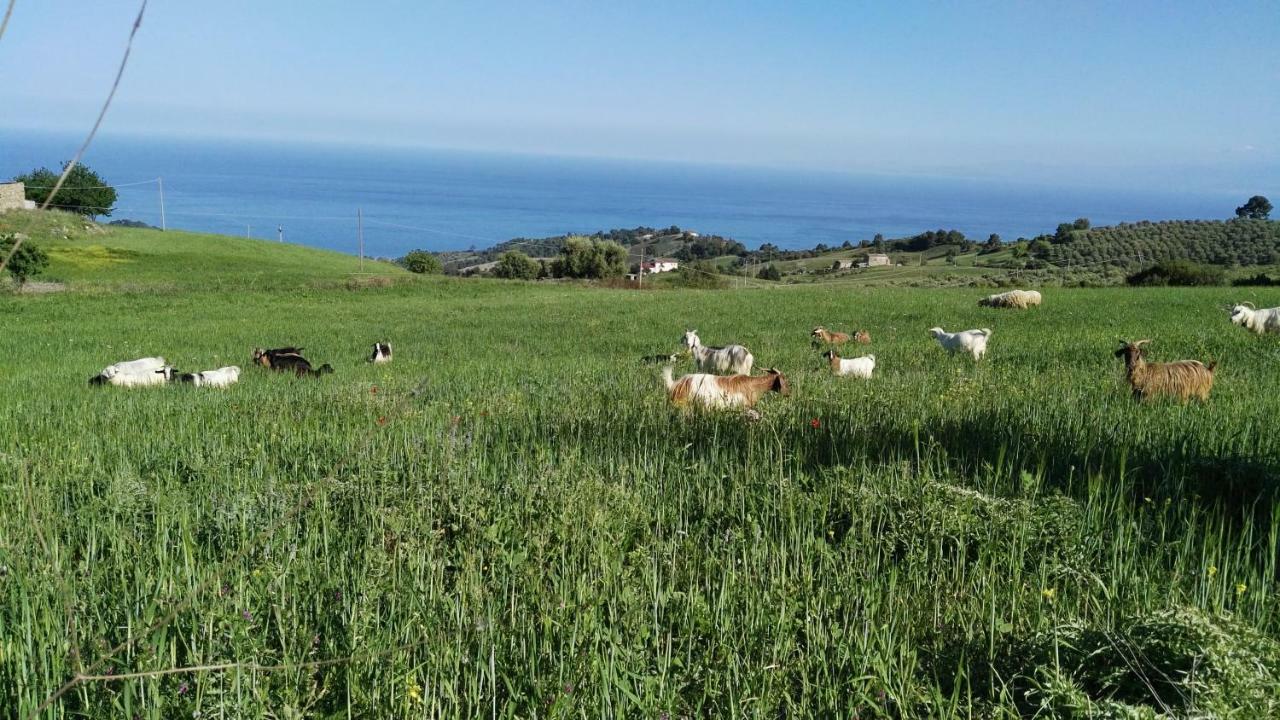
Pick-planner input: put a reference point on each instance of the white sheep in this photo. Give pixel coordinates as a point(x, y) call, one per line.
point(135, 378)
point(728, 360)
point(1259, 321)
point(1019, 299)
point(859, 367)
point(220, 378)
point(973, 342)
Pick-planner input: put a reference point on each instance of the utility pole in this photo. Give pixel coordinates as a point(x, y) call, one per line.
point(280, 233)
point(246, 231)
point(162, 224)
point(360, 234)
point(640, 275)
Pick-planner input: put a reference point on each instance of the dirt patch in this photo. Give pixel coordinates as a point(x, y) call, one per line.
point(40, 288)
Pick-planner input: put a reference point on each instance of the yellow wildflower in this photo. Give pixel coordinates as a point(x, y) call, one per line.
point(1049, 594)
point(1240, 588)
point(1213, 570)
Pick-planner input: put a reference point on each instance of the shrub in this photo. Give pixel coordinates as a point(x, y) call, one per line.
point(1261, 279)
point(515, 265)
point(769, 272)
point(582, 257)
point(1182, 273)
point(702, 275)
point(27, 262)
point(421, 262)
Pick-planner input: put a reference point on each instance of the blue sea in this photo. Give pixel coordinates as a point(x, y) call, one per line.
point(447, 200)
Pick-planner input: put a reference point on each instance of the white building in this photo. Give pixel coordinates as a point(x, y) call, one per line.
point(659, 265)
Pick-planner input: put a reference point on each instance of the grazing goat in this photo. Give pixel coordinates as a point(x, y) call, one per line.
point(973, 342)
point(728, 360)
point(298, 365)
point(1185, 378)
point(860, 367)
point(655, 359)
point(717, 392)
point(826, 337)
point(863, 337)
point(1259, 321)
point(1017, 299)
point(264, 357)
point(135, 378)
point(381, 353)
point(220, 378)
point(140, 365)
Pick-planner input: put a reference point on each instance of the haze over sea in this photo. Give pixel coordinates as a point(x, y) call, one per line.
point(446, 199)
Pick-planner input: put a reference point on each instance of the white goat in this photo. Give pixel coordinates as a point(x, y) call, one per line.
point(136, 378)
point(220, 378)
point(728, 360)
point(381, 353)
point(1259, 321)
point(140, 365)
point(859, 367)
point(973, 342)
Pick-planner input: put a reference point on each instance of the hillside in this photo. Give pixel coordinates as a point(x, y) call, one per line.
point(1134, 245)
point(85, 254)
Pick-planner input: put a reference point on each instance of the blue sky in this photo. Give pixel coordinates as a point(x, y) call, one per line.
point(1162, 93)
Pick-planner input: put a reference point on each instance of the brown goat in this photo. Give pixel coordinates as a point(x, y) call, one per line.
point(1184, 379)
point(823, 335)
point(724, 391)
point(862, 336)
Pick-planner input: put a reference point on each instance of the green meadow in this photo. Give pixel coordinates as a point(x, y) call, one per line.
point(510, 520)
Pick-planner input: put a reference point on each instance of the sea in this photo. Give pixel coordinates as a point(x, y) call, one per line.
point(331, 196)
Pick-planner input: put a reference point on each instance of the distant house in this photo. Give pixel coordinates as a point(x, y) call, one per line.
point(659, 265)
point(876, 261)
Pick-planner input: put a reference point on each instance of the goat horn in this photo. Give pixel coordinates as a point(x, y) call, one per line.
point(1140, 343)
point(1246, 302)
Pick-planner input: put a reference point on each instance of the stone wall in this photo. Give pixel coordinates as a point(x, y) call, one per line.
point(13, 196)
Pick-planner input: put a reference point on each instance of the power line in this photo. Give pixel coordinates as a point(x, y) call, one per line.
point(94, 187)
point(7, 14)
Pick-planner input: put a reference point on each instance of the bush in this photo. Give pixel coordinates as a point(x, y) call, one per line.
point(27, 262)
point(769, 272)
point(702, 275)
point(1261, 279)
point(421, 262)
point(1181, 273)
point(515, 265)
point(83, 193)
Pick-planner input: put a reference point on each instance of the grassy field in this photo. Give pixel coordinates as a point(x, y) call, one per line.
point(510, 521)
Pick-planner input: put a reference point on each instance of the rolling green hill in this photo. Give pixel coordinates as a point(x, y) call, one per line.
point(87, 254)
point(1133, 245)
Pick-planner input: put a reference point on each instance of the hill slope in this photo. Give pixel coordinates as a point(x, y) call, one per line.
point(84, 253)
point(1132, 245)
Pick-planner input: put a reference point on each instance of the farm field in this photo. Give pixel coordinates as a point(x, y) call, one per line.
point(510, 521)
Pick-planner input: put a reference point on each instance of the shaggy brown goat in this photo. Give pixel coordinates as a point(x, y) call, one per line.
point(862, 336)
point(719, 391)
point(1184, 379)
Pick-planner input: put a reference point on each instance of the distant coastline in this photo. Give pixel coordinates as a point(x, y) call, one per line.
point(455, 200)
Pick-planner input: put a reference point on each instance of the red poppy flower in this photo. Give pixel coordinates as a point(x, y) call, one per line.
point(382, 421)
point(815, 423)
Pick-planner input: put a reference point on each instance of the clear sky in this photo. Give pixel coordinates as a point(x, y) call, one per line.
point(1180, 93)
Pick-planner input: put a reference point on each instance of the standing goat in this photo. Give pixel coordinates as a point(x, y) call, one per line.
point(1259, 321)
point(717, 392)
point(728, 360)
point(1185, 378)
point(973, 342)
point(860, 367)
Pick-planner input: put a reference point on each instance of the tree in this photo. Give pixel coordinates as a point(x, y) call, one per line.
point(422, 262)
point(582, 257)
point(1063, 234)
point(1081, 224)
point(1257, 208)
point(769, 272)
point(515, 265)
point(26, 263)
point(84, 192)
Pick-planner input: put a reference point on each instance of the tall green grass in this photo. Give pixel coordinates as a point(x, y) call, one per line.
point(510, 521)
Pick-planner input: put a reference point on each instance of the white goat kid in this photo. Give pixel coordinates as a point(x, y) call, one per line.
point(220, 378)
point(141, 365)
point(973, 342)
point(1260, 321)
point(859, 367)
point(728, 360)
point(138, 378)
